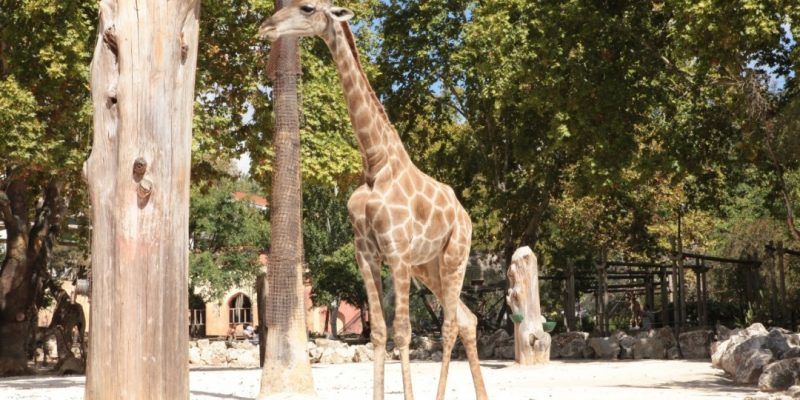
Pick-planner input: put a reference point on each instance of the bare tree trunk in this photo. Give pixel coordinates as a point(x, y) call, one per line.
point(142, 81)
point(287, 368)
point(531, 342)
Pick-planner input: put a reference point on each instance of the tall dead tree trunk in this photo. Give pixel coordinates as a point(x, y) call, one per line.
point(142, 81)
point(23, 272)
point(287, 368)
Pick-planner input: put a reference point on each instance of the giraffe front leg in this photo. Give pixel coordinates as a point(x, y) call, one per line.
point(368, 264)
point(402, 324)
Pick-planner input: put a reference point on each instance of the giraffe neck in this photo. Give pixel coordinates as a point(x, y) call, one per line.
point(378, 141)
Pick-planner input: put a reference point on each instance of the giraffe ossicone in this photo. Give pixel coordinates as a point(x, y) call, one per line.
point(400, 215)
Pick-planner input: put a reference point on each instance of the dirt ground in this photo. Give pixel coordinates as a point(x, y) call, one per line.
point(584, 380)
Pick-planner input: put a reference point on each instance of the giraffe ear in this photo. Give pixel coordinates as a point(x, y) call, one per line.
point(341, 13)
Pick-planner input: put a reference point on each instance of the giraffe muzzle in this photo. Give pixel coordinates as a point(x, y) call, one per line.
point(268, 31)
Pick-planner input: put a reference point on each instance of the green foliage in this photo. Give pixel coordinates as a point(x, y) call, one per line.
point(227, 236)
point(45, 112)
point(329, 250)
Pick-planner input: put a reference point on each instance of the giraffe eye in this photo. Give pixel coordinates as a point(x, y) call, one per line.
point(307, 8)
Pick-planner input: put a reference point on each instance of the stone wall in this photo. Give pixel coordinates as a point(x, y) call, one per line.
point(656, 344)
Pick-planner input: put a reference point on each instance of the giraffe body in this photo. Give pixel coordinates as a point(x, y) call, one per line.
point(400, 215)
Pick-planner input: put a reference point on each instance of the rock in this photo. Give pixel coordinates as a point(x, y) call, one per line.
point(346, 353)
point(673, 353)
point(588, 351)
point(194, 356)
point(739, 350)
point(436, 356)
point(756, 329)
point(427, 343)
point(487, 344)
point(626, 344)
point(649, 347)
point(569, 345)
point(666, 336)
point(695, 344)
point(315, 354)
point(248, 359)
point(754, 363)
point(605, 348)
point(504, 352)
point(216, 353)
point(192, 343)
point(364, 354)
point(243, 344)
point(419, 354)
point(794, 392)
point(203, 343)
point(793, 352)
point(723, 333)
point(780, 375)
point(778, 341)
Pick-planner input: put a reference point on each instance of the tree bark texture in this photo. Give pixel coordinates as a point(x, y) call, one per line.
point(142, 82)
point(24, 274)
point(531, 342)
point(287, 368)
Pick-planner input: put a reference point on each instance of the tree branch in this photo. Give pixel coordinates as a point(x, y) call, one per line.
point(9, 219)
point(787, 200)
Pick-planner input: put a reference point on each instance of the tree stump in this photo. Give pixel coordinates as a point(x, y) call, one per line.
point(531, 342)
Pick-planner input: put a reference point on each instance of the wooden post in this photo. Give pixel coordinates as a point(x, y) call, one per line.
point(705, 294)
point(664, 296)
point(782, 280)
point(773, 287)
point(676, 308)
point(649, 297)
point(602, 295)
point(698, 272)
point(569, 307)
point(142, 83)
point(531, 342)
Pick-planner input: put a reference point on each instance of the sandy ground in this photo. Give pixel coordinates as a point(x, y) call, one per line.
point(584, 380)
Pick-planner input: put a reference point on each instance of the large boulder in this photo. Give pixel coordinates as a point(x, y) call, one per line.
point(364, 354)
point(419, 354)
point(194, 356)
point(665, 335)
point(487, 344)
point(794, 352)
point(626, 345)
point(215, 353)
point(503, 352)
point(649, 347)
point(752, 364)
point(430, 344)
point(605, 348)
point(780, 375)
point(779, 341)
point(243, 357)
point(569, 345)
point(695, 344)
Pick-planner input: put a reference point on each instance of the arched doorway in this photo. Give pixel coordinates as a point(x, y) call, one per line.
point(240, 309)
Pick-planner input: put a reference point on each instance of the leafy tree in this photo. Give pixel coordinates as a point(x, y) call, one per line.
point(44, 122)
point(227, 235)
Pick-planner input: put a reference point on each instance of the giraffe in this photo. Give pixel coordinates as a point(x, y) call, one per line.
point(400, 216)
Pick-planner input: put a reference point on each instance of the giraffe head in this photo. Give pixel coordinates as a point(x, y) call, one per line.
point(304, 18)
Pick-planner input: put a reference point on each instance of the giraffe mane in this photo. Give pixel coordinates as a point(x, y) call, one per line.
point(351, 41)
